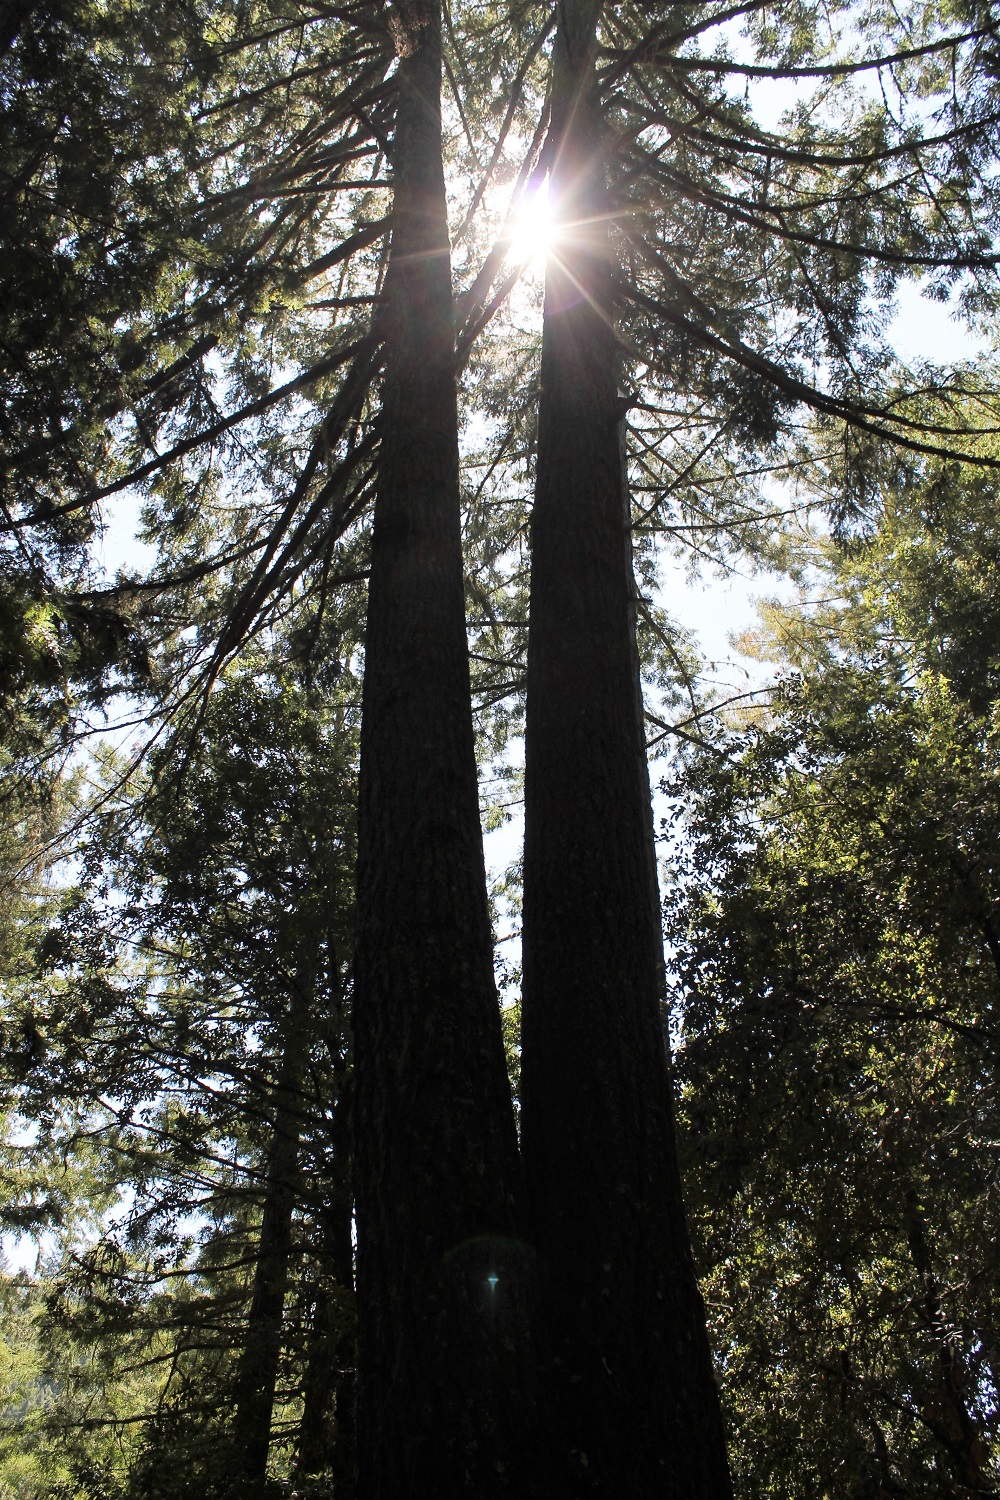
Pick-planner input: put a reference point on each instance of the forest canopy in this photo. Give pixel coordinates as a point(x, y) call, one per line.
point(371, 376)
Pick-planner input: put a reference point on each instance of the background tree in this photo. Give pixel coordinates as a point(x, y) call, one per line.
point(190, 1031)
point(835, 927)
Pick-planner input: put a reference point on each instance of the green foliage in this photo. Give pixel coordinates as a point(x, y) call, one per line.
point(146, 1048)
point(838, 955)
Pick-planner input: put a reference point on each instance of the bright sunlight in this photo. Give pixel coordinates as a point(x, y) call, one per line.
point(533, 228)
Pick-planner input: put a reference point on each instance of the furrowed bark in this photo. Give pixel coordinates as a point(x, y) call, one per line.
point(448, 1400)
point(597, 1123)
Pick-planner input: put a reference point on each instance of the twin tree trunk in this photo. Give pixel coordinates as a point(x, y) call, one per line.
point(448, 1399)
point(597, 1124)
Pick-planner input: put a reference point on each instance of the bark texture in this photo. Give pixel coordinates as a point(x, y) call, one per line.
point(597, 1126)
point(448, 1402)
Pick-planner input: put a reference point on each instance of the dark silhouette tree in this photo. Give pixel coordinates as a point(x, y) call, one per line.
point(597, 1115)
point(449, 1347)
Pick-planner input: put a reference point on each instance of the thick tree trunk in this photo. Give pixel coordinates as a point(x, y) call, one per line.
point(447, 1387)
point(597, 1126)
point(258, 1368)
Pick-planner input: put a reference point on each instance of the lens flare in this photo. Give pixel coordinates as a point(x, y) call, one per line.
point(533, 227)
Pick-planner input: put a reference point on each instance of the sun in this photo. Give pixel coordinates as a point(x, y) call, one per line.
point(533, 228)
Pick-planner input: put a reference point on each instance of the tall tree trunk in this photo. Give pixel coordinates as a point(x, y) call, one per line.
point(447, 1386)
point(258, 1368)
point(597, 1123)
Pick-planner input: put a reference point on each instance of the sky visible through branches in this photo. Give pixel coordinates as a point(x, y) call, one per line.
point(714, 608)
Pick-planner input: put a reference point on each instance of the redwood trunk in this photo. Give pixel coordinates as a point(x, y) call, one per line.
point(597, 1125)
point(447, 1394)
